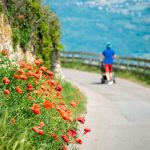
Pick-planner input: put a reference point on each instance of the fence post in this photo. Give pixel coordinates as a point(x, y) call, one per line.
point(127, 67)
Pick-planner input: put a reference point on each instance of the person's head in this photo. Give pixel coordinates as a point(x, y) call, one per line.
point(108, 46)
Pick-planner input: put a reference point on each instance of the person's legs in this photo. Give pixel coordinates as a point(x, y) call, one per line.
point(106, 67)
point(110, 72)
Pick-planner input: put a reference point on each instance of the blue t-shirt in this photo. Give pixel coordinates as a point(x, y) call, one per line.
point(108, 56)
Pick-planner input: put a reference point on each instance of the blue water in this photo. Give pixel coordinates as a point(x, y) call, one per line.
point(87, 25)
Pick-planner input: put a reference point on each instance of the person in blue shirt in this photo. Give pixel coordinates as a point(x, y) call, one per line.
point(108, 55)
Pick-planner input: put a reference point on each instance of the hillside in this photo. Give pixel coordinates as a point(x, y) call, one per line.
point(32, 31)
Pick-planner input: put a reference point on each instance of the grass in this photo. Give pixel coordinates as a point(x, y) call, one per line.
point(132, 76)
point(73, 94)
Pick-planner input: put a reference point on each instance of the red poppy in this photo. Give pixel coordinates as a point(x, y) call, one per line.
point(30, 97)
point(23, 77)
point(47, 93)
point(38, 61)
point(64, 147)
point(6, 80)
point(73, 104)
point(30, 73)
point(20, 71)
point(51, 74)
point(43, 87)
point(70, 119)
point(13, 121)
point(65, 138)
point(81, 119)
point(42, 124)
point(37, 130)
point(18, 89)
point(78, 140)
point(64, 114)
point(30, 67)
point(55, 136)
point(6, 91)
point(72, 133)
point(47, 104)
point(38, 92)
point(86, 130)
point(36, 109)
point(30, 87)
point(52, 82)
point(58, 88)
point(4, 52)
point(43, 68)
point(16, 76)
point(22, 64)
point(37, 75)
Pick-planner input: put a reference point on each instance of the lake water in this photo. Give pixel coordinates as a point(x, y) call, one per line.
point(87, 25)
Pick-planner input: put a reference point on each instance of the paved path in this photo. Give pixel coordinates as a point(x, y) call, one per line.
point(119, 115)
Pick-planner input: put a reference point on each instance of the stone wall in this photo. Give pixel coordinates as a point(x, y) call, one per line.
point(6, 42)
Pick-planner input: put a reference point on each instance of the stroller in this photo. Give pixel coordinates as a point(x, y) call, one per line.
point(103, 78)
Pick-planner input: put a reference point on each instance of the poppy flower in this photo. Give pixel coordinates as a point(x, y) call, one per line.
point(58, 88)
point(23, 77)
point(30, 73)
point(47, 93)
point(30, 67)
point(41, 132)
point(52, 82)
point(86, 130)
point(64, 114)
point(78, 140)
point(55, 136)
point(18, 90)
point(6, 91)
point(43, 87)
point(30, 87)
point(47, 104)
point(73, 104)
point(71, 133)
point(81, 119)
point(70, 119)
point(38, 61)
point(43, 68)
point(64, 147)
point(36, 109)
point(16, 76)
point(38, 92)
point(13, 121)
point(22, 64)
point(5, 52)
point(42, 124)
point(37, 130)
point(6, 80)
point(20, 71)
point(65, 138)
point(51, 74)
point(30, 97)
point(37, 75)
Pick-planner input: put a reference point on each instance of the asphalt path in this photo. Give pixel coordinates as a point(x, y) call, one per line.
point(118, 114)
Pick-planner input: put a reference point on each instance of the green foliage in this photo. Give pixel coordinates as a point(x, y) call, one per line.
point(1, 7)
point(35, 24)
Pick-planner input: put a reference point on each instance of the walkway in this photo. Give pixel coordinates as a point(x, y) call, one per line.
point(118, 115)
